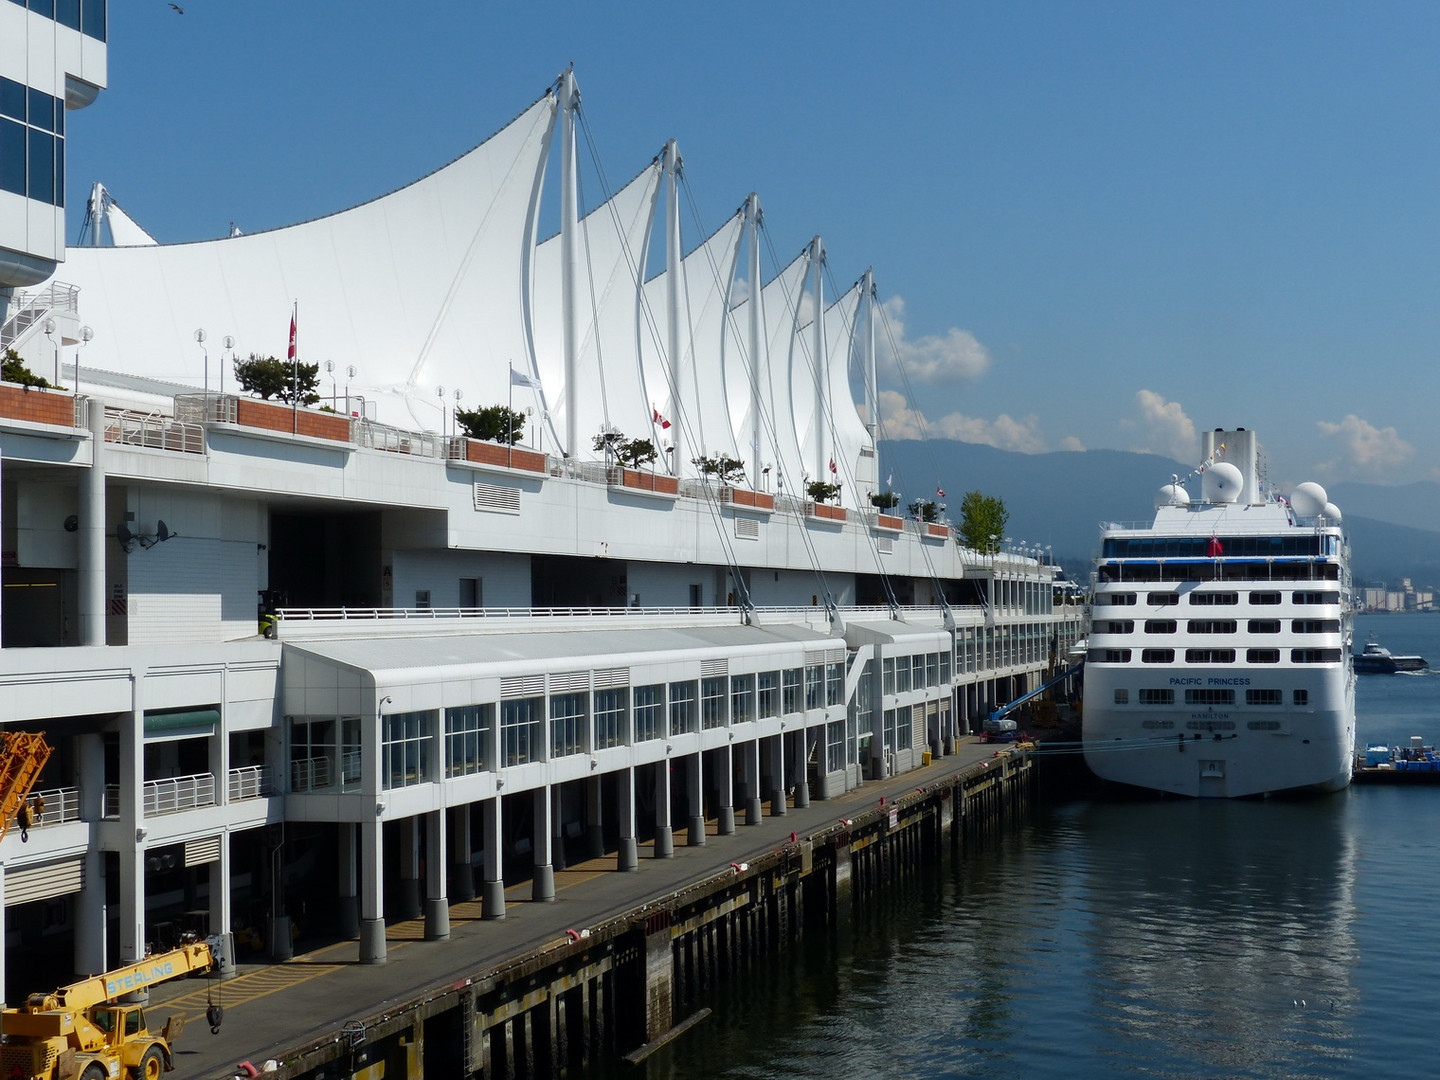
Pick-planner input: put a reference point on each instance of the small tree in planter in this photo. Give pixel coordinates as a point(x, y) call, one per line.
point(821, 491)
point(495, 423)
point(884, 500)
point(720, 467)
point(632, 452)
point(268, 377)
point(924, 510)
point(15, 371)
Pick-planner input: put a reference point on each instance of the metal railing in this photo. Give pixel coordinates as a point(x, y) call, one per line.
point(32, 308)
point(54, 806)
point(153, 430)
point(249, 782)
point(168, 796)
point(395, 440)
point(207, 408)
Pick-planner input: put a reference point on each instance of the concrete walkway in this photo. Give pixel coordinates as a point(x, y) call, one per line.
point(273, 1008)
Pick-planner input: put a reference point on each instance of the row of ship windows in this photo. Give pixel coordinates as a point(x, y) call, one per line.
point(1219, 626)
point(87, 16)
point(1166, 696)
point(1214, 656)
point(1213, 599)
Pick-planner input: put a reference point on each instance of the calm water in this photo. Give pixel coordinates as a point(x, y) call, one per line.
point(1148, 939)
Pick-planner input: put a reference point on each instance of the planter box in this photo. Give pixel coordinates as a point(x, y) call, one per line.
point(937, 531)
point(756, 500)
point(825, 512)
point(649, 481)
point(314, 425)
point(37, 406)
point(506, 457)
point(889, 522)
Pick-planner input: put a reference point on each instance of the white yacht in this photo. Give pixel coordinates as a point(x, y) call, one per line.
point(1218, 659)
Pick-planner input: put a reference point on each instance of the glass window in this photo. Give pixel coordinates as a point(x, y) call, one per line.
point(12, 99)
point(1209, 697)
point(93, 19)
point(1108, 656)
point(520, 731)
point(1163, 599)
point(42, 110)
point(1157, 656)
point(312, 753)
point(67, 13)
point(917, 672)
point(1209, 656)
point(407, 748)
point(1122, 696)
point(1115, 626)
point(791, 689)
point(611, 707)
point(1214, 599)
point(742, 703)
point(835, 683)
point(902, 674)
point(1157, 697)
point(12, 157)
point(467, 739)
point(649, 704)
point(1301, 697)
point(1211, 626)
point(888, 675)
point(1159, 626)
point(43, 7)
point(1264, 697)
point(1315, 626)
point(835, 746)
point(1264, 626)
point(1115, 599)
point(683, 708)
point(42, 166)
point(1314, 656)
point(814, 686)
point(568, 714)
point(768, 702)
point(1264, 598)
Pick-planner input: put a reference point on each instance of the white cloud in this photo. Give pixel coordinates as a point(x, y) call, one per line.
point(1368, 449)
point(899, 421)
point(932, 358)
point(1167, 430)
point(1070, 442)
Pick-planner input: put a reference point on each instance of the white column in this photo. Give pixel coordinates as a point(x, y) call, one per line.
point(372, 896)
point(628, 857)
point(349, 908)
point(570, 269)
point(90, 908)
point(664, 835)
point(777, 775)
point(492, 889)
point(678, 419)
point(132, 822)
point(221, 913)
point(92, 533)
point(462, 875)
point(800, 765)
point(695, 799)
point(542, 886)
point(725, 763)
point(753, 811)
point(437, 904)
point(132, 908)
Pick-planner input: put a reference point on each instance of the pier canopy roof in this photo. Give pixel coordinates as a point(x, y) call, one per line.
point(350, 675)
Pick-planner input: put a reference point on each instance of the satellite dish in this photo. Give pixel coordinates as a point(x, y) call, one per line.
point(162, 532)
point(124, 535)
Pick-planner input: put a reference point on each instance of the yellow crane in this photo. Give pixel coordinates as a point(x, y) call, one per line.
point(22, 755)
point(80, 1032)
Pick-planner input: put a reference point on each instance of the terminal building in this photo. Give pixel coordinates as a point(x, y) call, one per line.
point(306, 670)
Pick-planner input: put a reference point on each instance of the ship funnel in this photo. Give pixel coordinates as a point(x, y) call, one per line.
point(1240, 450)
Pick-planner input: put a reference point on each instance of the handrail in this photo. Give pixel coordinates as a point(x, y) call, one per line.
point(249, 782)
point(343, 614)
point(153, 430)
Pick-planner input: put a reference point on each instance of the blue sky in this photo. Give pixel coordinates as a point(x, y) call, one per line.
point(1098, 225)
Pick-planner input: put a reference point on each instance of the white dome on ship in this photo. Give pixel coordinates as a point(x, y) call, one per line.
point(1171, 495)
point(1331, 513)
point(1308, 499)
point(1221, 483)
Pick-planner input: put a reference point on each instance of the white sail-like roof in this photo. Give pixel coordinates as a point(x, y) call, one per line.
point(612, 391)
point(420, 288)
point(847, 429)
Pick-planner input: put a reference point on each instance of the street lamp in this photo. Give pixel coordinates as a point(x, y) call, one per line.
point(229, 343)
point(54, 348)
point(85, 335)
point(200, 340)
point(440, 393)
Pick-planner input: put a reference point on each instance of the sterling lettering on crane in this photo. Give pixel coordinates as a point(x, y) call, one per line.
point(135, 978)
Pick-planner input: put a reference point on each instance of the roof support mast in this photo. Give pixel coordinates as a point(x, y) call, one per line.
point(674, 168)
point(754, 218)
point(817, 266)
point(570, 269)
point(872, 420)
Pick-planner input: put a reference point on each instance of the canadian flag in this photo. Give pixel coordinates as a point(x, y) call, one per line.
point(291, 354)
point(659, 419)
point(832, 466)
point(939, 492)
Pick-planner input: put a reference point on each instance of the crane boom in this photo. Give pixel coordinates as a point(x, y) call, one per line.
point(22, 755)
point(196, 956)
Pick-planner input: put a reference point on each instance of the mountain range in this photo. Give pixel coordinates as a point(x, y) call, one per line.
point(1059, 499)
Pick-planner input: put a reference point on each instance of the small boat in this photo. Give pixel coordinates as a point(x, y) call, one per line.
point(1417, 763)
point(1378, 660)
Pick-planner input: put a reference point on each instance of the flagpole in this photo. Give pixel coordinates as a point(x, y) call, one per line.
point(295, 368)
point(510, 419)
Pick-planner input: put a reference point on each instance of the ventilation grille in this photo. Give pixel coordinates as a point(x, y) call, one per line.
point(569, 682)
point(607, 678)
point(204, 850)
point(520, 686)
point(497, 499)
point(747, 528)
point(44, 882)
point(714, 667)
point(885, 545)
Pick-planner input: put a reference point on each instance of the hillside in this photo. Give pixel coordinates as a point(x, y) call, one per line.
point(1060, 498)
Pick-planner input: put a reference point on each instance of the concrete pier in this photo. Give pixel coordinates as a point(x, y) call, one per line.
point(621, 961)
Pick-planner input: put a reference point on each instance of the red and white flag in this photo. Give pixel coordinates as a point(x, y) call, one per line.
point(659, 419)
point(833, 470)
point(939, 492)
point(293, 336)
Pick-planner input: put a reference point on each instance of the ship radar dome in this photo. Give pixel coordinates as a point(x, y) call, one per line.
point(1171, 495)
point(1308, 499)
point(1331, 513)
point(1221, 483)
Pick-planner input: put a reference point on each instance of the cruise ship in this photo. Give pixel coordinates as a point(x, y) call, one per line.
point(322, 668)
point(1218, 659)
